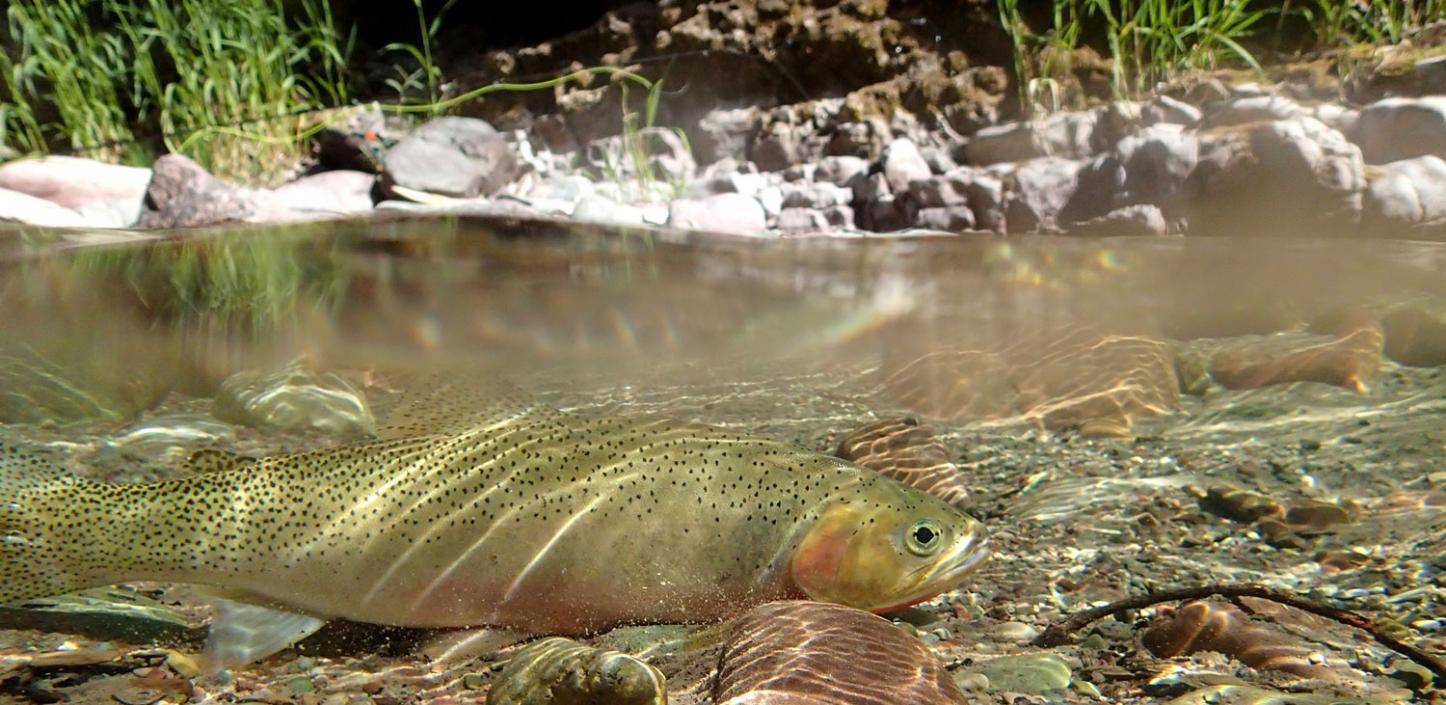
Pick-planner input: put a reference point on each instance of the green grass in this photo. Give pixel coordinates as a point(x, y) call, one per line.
point(87, 72)
point(426, 75)
point(237, 85)
point(1346, 24)
point(1151, 41)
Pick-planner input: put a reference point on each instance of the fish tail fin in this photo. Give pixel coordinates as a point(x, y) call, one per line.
point(36, 498)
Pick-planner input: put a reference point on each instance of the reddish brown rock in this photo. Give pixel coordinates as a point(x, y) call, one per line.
point(1415, 337)
point(814, 653)
point(909, 452)
point(1349, 361)
point(1207, 625)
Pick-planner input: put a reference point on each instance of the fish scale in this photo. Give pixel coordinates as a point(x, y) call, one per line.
point(531, 519)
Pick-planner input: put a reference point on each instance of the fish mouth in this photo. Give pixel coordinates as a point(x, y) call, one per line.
point(944, 573)
point(949, 570)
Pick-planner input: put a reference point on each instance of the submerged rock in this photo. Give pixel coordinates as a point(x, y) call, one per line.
point(1208, 625)
point(909, 452)
point(1025, 673)
point(1415, 336)
point(1349, 361)
point(102, 614)
point(295, 399)
point(814, 653)
point(560, 671)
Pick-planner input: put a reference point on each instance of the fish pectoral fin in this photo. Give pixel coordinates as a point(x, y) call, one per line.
point(208, 460)
point(243, 632)
point(458, 645)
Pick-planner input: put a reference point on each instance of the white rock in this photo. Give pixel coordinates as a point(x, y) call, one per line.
point(1401, 128)
point(1011, 142)
point(983, 190)
point(747, 184)
point(1156, 161)
point(771, 197)
point(1403, 193)
point(1042, 187)
point(16, 207)
point(1140, 219)
point(340, 192)
point(73, 182)
point(600, 209)
point(1069, 134)
point(797, 221)
point(1288, 177)
point(1254, 108)
point(1163, 108)
point(841, 169)
point(903, 163)
point(1338, 117)
point(724, 212)
point(571, 187)
point(112, 212)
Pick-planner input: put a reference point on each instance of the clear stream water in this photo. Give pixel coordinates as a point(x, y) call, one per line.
point(1079, 386)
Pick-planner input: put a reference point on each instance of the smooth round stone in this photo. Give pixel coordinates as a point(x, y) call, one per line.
point(1025, 673)
point(814, 653)
point(1016, 632)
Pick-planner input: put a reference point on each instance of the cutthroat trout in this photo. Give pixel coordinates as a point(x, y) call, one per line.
point(538, 521)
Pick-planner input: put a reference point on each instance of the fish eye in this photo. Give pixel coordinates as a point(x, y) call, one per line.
point(923, 537)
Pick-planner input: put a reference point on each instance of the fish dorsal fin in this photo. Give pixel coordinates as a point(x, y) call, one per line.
point(451, 403)
point(215, 460)
point(243, 632)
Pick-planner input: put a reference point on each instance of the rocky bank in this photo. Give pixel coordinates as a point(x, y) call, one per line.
point(849, 118)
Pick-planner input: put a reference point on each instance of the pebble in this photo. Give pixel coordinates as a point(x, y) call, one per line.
point(1025, 673)
point(1015, 632)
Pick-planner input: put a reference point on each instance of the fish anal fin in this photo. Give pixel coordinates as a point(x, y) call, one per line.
point(243, 632)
